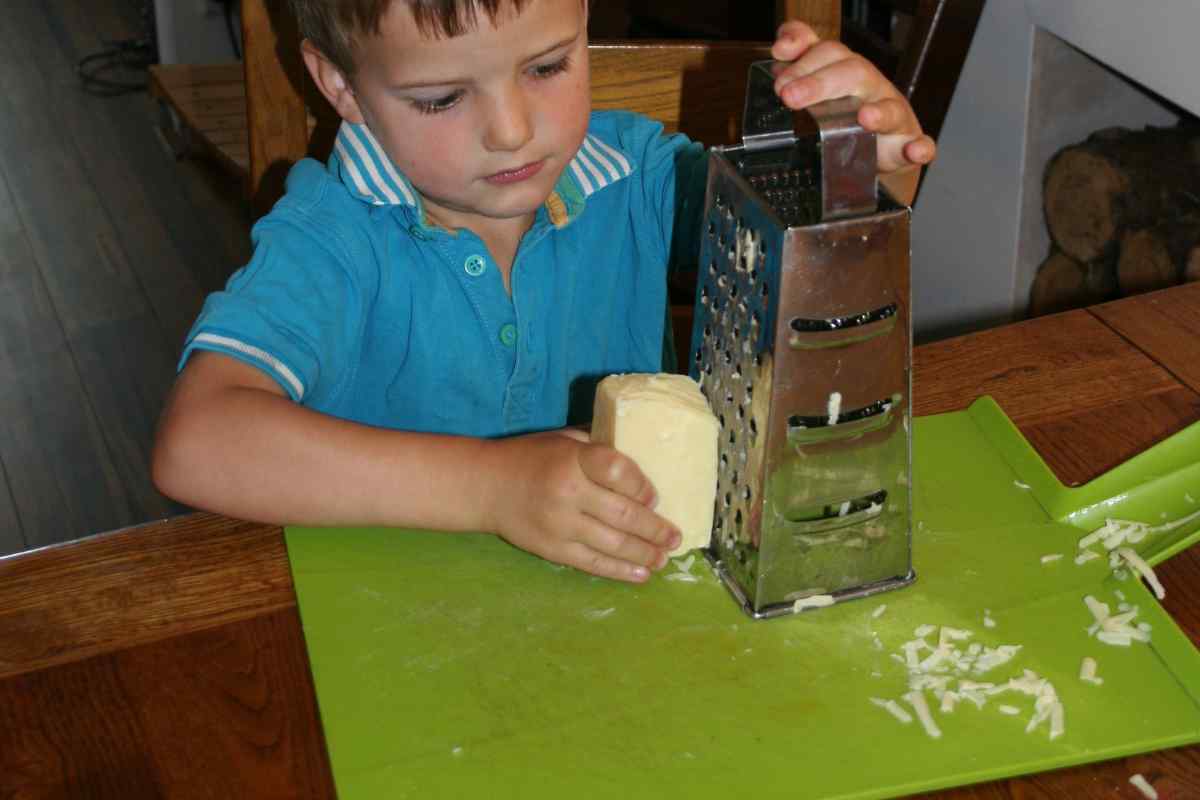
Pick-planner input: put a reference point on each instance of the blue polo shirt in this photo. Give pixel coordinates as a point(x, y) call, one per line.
point(360, 310)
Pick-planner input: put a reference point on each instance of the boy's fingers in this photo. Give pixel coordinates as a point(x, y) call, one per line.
point(897, 151)
point(792, 39)
point(620, 516)
point(582, 557)
point(891, 115)
point(622, 546)
point(605, 466)
point(848, 76)
point(921, 150)
point(818, 56)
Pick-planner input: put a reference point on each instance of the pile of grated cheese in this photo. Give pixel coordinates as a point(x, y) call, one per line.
point(1116, 629)
point(1115, 536)
point(949, 668)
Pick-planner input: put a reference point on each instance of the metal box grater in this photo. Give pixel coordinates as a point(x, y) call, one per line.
point(801, 342)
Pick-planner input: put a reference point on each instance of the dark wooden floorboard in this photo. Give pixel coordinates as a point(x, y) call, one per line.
point(63, 212)
point(58, 472)
point(11, 539)
point(109, 246)
point(129, 369)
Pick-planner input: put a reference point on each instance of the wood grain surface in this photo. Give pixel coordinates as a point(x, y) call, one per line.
point(1084, 396)
point(1166, 325)
point(137, 585)
point(226, 712)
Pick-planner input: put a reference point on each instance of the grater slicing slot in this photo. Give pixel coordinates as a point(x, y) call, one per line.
point(803, 431)
point(841, 323)
point(818, 334)
point(835, 515)
point(880, 409)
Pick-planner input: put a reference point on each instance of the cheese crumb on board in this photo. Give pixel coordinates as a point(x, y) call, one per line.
point(1142, 785)
point(878, 612)
point(599, 613)
point(1087, 671)
point(663, 423)
point(916, 699)
point(812, 601)
point(683, 570)
point(1051, 557)
point(1136, 561)
point(893, 708)
point(1117, 532)
point(1114, 629)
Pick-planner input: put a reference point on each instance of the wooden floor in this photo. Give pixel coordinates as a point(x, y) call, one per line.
point(108, 246)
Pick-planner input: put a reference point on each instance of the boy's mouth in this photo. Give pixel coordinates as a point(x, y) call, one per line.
point(516, 175)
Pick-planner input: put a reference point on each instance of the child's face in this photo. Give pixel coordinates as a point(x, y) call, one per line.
point(483, 123)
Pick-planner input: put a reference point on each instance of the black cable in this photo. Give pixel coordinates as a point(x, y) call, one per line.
point(233, 39)
point(129, 56)
point(132, 56)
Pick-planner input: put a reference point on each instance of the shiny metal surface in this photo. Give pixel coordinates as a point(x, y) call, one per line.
point(801, 343)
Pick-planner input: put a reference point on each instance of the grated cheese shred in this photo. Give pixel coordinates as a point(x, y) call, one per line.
point(1137, 563)
point(1142, 785)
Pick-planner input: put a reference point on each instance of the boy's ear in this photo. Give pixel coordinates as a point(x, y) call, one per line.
point(332, 83)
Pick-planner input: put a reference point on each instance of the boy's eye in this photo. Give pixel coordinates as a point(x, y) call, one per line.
point(438, 104)
point(553, 68)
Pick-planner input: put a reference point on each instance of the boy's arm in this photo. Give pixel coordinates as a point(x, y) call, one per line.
point(231, 441)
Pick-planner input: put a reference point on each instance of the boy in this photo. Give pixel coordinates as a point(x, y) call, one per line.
point(402, 347)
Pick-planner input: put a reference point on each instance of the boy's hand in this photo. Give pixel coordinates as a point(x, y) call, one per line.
point(581, 504)
point(822, 70)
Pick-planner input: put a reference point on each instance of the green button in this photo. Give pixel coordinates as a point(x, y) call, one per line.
point(508, 335)
point(475, 265)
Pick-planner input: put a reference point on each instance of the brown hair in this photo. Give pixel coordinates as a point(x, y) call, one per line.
point(333, 25)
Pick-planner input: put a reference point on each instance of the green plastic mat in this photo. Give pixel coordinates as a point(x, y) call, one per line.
point(452, 666)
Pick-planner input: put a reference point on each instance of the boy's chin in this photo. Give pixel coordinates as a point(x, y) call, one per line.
point(514, 208)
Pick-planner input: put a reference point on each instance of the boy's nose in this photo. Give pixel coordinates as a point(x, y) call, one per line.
point(509, 125)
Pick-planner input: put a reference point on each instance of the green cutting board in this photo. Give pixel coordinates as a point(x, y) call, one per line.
point(451, 666)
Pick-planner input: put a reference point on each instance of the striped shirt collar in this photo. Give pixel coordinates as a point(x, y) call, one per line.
point(366, 170)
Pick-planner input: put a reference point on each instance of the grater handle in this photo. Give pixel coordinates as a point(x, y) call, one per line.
point(846, 151)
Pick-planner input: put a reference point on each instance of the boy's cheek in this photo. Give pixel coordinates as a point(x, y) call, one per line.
point(571, 111)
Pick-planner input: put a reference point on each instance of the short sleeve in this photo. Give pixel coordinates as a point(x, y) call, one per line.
point(294, 311)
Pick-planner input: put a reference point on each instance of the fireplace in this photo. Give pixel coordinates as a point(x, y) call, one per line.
point(1041, 74)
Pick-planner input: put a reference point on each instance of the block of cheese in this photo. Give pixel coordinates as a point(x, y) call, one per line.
point(665, 425)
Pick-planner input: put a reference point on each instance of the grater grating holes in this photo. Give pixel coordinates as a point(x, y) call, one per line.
point(731, 312)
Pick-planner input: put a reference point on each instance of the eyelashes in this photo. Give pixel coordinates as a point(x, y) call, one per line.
point(539, 72)
point(553, 68)
point(438, 105)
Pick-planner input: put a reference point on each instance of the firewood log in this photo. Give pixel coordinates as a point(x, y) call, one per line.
point(1117, 180)
point(1160, 255)
point(1063, 283)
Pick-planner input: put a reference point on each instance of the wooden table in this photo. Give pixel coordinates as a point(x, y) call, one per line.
point(167, 660)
